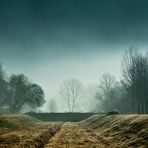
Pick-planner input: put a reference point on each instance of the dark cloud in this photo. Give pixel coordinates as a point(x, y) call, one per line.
point(70, 22)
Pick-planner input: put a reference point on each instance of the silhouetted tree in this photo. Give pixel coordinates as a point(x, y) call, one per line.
point(106, 82)
point(35, 96)
point(105, 90)
point(18, 87)
point(3, 88)
point(70, 92)
point(111, 95)
point(22, 92)
point(135, 79)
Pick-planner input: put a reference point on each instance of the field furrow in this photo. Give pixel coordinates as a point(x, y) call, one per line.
point(73, 136)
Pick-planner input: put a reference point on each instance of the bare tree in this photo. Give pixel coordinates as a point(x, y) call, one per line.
point(70, 91)
point(135, 79)
point(52, 106)
point(105, 93)
point(3, 89)
point(106, 82)
point(128, 73)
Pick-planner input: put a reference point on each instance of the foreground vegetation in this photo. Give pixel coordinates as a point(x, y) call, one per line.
point(120, 130)
point(17, 122)
point(24, 131)
point(96, 131)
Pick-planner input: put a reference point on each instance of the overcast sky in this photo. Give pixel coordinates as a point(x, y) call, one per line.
point(53, 40)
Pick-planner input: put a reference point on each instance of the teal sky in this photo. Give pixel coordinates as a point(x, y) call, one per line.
point(53, 40)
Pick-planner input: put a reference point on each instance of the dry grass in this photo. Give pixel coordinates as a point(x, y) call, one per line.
point(74, 136)
point(98, 131)
point(14, 122)
point(19, 131)
point(120, 130)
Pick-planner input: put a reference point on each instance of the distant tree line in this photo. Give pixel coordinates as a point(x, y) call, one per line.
point(130, 95)
point(111, 95)
point(17, 91)
point(135, 79)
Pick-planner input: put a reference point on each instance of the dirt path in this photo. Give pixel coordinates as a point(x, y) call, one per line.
point(73, 136)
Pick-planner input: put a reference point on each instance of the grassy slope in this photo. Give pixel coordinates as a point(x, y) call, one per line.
point(121, 130)
point(14, 122)
point(25, 131)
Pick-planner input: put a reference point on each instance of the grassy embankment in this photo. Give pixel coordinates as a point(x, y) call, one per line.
point(120, 130)
point(24, 131)
point(16, 122)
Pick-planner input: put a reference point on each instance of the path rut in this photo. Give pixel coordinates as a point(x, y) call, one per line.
point(73, 136)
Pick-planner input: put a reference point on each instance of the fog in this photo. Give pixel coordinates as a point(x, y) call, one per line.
point(53, 40)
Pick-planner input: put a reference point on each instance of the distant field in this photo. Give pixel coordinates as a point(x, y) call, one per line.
point(73, 117)
point(97, 131)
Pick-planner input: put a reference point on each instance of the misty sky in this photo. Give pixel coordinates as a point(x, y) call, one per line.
point(53, 40)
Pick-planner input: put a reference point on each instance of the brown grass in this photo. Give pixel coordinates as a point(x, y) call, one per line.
point(98, 131)
point(74, 136)
point(14, 122)
point(120, 130)
point(23, 131)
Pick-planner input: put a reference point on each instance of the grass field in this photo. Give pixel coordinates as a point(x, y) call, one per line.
point(98, 131)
